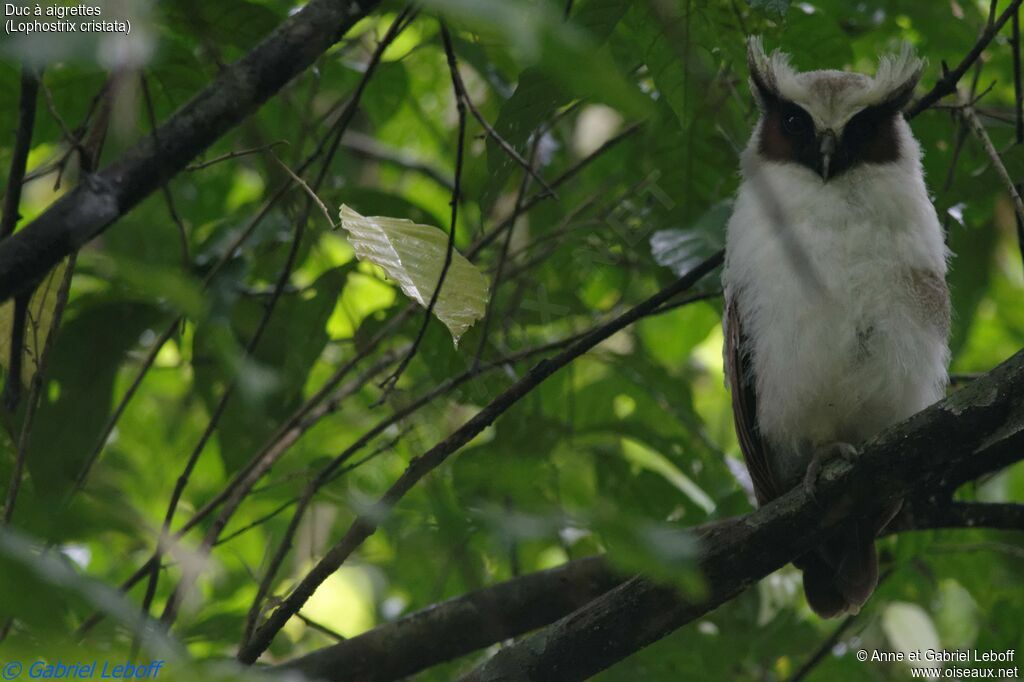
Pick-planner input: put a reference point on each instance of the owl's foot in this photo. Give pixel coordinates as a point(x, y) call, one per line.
point(822, 456)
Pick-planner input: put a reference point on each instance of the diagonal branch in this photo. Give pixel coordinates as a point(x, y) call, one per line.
point(238, 91)
point(458, 626)
point(392, 379)
point(948, 82)
point(977, 430)
point(444, 631)
point(970, 117)
point(366, 524)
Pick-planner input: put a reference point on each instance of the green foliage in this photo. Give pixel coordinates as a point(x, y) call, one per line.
point(619, 452)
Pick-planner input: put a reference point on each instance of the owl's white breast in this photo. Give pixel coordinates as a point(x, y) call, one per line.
point(843, 361)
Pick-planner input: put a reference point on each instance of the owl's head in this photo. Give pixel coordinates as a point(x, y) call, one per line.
point(831, 121)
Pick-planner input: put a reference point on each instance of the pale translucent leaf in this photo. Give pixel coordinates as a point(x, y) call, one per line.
point(413, 256)
point(956, 616)
point(37, 326)
point(908, 628)
point(681, 250)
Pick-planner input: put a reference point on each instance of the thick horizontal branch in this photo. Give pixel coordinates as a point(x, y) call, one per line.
point(442, 632)
point(238, 91)
point(919, 515)
point(979, 429)
point(458, 626)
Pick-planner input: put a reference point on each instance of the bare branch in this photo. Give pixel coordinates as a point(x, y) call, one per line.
point(948, 81)
point(460, 107)
point(977, 430)
point(458, 626)
point(239, 90)
point(369, 147)
point(234, 155)
point(970, 117)
point(366, 524)
point(19, 155)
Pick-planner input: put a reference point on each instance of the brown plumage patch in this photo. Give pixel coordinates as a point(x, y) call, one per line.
point(931, 297)
point(869, 137)
point(755, 451)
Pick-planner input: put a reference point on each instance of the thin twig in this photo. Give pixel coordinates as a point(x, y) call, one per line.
point(503, 256)
point(309, 190)
point(226, 256)
point(36, 389)
point(392, 379)
point(234, 155)
point(165, 186)
point(365, 525)
point(947, 83)
point(336, 636)
point(170, 610)
point(484, 240)
point(380, 449)
point(332, 470)
point(826, 647)
point(976, 126)
point(312, 487)
point(369, 147)
point(462, 94)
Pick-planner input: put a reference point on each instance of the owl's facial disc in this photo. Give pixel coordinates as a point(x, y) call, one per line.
point(789, 134)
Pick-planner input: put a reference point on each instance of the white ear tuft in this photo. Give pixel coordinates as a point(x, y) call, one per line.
point(767, 72)
point(897, 76)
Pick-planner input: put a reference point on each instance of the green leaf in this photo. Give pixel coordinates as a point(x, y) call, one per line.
point(816, 41)
point(566, 60)
point(80, 387)
point(47, 581)
point(413, 255)
point(386, 92)
point(293, 340)
point(682, 250)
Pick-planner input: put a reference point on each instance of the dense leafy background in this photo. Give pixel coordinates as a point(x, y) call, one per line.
point(633, 440)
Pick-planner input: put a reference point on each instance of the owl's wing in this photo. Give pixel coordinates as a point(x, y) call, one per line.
point(744, 406)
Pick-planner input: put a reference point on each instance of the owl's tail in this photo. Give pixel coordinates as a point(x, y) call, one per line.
point(841, 573)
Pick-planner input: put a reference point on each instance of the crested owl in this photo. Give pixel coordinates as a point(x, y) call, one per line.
point(837, 311)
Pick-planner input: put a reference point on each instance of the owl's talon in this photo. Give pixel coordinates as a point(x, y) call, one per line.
point(822, 456)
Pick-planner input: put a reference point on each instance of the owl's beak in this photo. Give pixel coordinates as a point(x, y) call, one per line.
point(828, 148)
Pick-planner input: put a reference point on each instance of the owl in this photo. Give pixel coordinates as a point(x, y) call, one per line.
point(837, 311)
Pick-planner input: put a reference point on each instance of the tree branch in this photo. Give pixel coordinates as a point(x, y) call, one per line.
point(238, 91)
point(948, 82)
point(976, 430)
point(22, 146)
point(458, 626)
point(970, 117)
point(366, 524)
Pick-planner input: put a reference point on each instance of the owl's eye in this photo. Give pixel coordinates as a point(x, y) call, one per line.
point(795, 124)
